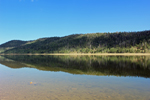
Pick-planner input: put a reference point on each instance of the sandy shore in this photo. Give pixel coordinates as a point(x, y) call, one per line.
point(106, 54)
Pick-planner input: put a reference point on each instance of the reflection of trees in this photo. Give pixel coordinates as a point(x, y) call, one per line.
point(91, 65)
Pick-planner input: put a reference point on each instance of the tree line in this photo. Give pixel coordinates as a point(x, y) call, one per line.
point(117, 42)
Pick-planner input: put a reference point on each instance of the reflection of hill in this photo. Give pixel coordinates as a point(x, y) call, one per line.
point(11, 63)
point(90, 65)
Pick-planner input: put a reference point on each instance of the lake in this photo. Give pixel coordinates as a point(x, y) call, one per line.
point(74, 77)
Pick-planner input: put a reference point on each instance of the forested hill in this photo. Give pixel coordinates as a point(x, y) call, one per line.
point(13, 43)
point(118, 42)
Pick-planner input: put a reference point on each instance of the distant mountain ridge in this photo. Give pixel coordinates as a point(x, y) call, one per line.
point(13, 43)
point(117, 42)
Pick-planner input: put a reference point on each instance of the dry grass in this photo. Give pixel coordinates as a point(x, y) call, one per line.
point(106, 54)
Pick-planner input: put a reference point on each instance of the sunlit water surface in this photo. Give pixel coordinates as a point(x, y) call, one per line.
point(33, 84)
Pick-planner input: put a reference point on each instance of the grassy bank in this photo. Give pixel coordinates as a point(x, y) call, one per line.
point(106, 54)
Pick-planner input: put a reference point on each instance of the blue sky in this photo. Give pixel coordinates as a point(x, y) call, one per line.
point(33, 19)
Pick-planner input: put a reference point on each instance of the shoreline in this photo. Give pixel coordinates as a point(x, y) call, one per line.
point(95, 54)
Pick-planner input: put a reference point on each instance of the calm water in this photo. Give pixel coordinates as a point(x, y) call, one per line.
point(74, 78)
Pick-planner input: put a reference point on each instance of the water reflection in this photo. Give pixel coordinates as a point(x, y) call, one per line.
point(89, 65)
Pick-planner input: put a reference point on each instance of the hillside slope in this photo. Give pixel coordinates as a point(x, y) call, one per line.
point(119, 42)
point(11, 44)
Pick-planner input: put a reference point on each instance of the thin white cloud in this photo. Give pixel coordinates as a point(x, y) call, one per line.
point(32, 0)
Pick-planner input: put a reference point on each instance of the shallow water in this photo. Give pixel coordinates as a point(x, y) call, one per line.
point(74, 78)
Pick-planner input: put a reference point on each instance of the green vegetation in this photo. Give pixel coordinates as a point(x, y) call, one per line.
point(89, 65)
point(11, 44)
point(118, 42)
